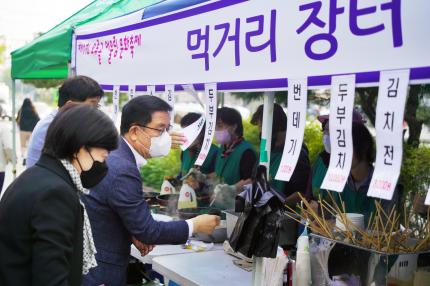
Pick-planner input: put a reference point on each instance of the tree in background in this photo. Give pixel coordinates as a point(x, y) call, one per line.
point(44, 83)
point(417, 111)
point(319, 97)
point(2, 49)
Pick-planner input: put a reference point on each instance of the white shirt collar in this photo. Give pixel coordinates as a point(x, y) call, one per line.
point(140, 160)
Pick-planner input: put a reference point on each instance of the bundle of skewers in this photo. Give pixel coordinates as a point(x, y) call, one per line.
point(388, 232)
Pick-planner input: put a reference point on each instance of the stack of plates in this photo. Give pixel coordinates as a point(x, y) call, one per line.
point(354, 219)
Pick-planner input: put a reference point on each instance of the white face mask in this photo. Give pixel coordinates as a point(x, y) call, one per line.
point(326, 142)
point(160, 146)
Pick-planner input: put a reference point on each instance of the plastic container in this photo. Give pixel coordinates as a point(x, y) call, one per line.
point(231, 218)
point(374, 267)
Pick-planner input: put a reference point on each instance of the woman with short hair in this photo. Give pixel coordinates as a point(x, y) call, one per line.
point(45, 234)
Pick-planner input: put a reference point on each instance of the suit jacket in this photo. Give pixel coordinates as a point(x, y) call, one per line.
point(41, 228)
point(118, 211)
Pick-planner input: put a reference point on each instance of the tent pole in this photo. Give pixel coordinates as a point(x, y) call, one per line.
point(266, 132)
point(14, 128)
point(265, 147)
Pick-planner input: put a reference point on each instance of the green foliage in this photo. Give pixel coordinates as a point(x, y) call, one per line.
point(313, 139)
point(281, 97)
point(415, 175)
point(251, 134)
point(2, 49)
point(423, 111)
point(247, 97)
point(44, 83)
point(154, 172)
point(123, 98)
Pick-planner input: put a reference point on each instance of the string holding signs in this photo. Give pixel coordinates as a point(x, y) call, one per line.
point(297, 103)
point(115, 101)
point(170, 97)
point(210, 111)
point(131, 92)
point(340, 128)
point(390, 109)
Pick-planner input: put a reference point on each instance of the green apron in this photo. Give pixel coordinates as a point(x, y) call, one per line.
point(228, 168)
point(356, 201)
point(275, 161)
point(188, 160)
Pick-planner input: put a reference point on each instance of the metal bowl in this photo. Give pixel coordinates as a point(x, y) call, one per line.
point(169, 201)
point(189, 213)
point(151, 197)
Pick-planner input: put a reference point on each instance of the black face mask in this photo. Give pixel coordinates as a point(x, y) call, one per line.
point(95, 174)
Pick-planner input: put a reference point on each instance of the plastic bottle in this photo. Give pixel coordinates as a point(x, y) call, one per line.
point(303, 261)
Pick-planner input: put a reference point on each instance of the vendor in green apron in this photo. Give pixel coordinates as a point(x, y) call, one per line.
point(235, 160)
point(189, 156)
point(299, 180)
point(354, 194)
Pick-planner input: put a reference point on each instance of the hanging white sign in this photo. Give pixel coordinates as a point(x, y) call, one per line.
point(191, 132)
point(131, 92)
point(340, 128)
point(243, 44)
point(210, 111)
point(169, 93)
point(297, 103)
point(390, 109)
point(115, 101)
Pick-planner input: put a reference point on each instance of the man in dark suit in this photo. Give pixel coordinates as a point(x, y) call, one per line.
point(116, 207)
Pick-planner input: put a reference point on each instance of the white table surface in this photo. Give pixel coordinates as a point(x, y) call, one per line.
point(202, 268)
point(162, 250)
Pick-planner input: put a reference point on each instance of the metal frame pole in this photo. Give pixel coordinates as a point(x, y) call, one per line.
point(14, 129)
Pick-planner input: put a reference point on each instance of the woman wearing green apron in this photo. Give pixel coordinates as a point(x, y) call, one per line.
point(354, 194)
point(236, 158)
point(189, 156)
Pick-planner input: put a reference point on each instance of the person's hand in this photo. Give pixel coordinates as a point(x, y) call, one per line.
point(144, 249)
point(177, 139)
point(205, 223)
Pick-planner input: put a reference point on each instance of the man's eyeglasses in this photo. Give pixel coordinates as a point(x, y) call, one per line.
point(161, 131)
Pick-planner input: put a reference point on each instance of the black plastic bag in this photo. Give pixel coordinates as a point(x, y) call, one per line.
point(257, 229)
